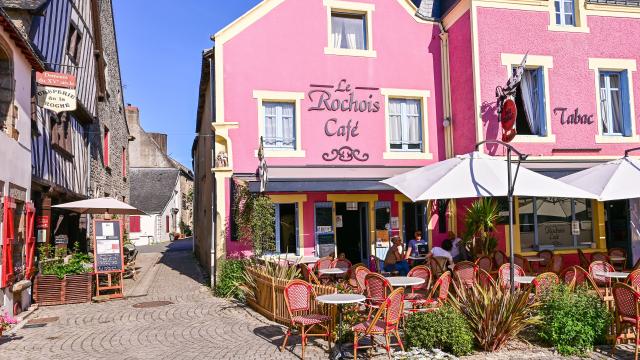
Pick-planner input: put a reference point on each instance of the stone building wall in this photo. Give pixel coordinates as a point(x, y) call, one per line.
point(110, 180)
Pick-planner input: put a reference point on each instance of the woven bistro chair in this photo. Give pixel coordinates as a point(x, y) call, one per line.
point(351, 275)
point(555, 264)
point(627, 301)
point(547, 255)
point(570, 276)
point(321, 264)
point(465, 273)
point(584, 261)
point(341, 264)
point(297, 296)
point(435, 266)
point(499, 259)
point(596, 268)
point(599, 256)
point(543, 282)
point(523, 263)
point(504, 275)
point(419, 292)
point(437, 297)
point(385, 322)
point(361, 272)
point(377, 289)
point(633, 279)
point(618, 264)
point(485, 263)
point(485, 280)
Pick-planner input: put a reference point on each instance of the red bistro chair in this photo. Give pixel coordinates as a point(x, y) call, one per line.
point(555, 264)
point(599, 256)
point(321, 264)
point(361, 273)
point(485, 263)
point(543, 282)
point(633, 279)
point(523, 263)
point(596, 268)
point(419, 292)
point(584, 261)
point(627, 312)
point(465, 273)
point(547, 255)
point(377, 289)
point(618, 252)
point(308, 275)
point(297, 297)
point(485, 279)
point(437, 297)
point(504, 274)
point(341, 264)
point(385, 322)
point(499, 259)
point(351, 274)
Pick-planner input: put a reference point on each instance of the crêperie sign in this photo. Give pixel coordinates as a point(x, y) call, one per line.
point(108, 246)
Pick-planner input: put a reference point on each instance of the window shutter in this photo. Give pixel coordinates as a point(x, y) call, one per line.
point(7, 241)
point(624, 95)
point(166, 224)
point(105, 150)
point(134, 224)
point(30, 245)
point(542, 102)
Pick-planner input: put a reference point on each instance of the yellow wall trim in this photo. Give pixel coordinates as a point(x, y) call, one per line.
point(352, 197)
point(287, 198)
point(401, 198)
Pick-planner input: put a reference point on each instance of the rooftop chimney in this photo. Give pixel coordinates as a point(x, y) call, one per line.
point(132, 114)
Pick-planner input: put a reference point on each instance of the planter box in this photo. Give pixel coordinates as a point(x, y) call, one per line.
point(73, 289)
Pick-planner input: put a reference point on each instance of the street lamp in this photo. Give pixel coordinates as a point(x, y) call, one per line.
point(511, 181)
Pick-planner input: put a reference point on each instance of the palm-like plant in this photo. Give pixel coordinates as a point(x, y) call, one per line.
point(480, 222)
point(495, 315)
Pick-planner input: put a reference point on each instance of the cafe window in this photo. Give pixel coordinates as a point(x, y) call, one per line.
point(614, 103)
point(74, 41)
point(405, 125)
point(286, 228)
point(279, 125)
point(565, 12)
point(530, 101)
point(349, 31)
point(555, 223)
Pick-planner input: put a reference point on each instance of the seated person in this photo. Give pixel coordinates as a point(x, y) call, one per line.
point(395, 259)
point(443, 250)
point(456, 250)
point(412, 249)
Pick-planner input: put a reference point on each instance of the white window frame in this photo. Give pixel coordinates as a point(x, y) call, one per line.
point(599, 65)
point(404, 120)
point(533, 61)
point(563, 12)
point(350, 8)
point(423, 97)
point(295, 98)
point(279, 107)
point(579, 18)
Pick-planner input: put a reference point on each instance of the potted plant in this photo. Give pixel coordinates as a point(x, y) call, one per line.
point(62, 279)
point(480, 223)
point(5, 322)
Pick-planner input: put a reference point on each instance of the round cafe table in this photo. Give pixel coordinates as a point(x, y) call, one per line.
point(524, 279)
point(339, 300)
point(613, 274)
point(617, 258)
point(308, 260)
point(403, 281)
point(332, 271)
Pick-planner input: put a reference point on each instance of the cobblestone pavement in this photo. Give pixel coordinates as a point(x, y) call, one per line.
point(195, 325)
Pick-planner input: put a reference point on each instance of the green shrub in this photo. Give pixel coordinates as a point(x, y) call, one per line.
point(573, 322)
point(444, 329)
point(230, 278)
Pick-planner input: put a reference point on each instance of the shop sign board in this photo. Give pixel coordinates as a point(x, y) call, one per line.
point(575, 227)
point(49, 78)
point(42, 222)
point(395, 222)
point(108, 246)
point(56, 99)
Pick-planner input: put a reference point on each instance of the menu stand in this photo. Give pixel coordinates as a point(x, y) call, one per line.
point(108, 259)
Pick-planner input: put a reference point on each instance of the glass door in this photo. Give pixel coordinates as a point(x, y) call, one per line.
point(324, 229)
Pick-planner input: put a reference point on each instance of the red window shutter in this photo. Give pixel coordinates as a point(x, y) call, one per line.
point(124, 162)
point(134, 224)
point(7, 241)
point(30, 245)
point(105, 150)
point(167, 223)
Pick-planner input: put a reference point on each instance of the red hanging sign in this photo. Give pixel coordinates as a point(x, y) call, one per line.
point(7, 241)
point(508, 114)
point(42, 222)
point(55, 79)
point(30, 246)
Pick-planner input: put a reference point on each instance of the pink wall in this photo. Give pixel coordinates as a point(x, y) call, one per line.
point(571, 82)
point(284, 51)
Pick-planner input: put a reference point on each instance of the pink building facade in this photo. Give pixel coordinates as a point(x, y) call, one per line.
point(577, 108)
point(344, 94)
point(347, 93)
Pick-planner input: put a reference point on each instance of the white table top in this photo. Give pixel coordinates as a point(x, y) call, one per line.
point(613, 274)
point(308, 260)
point(617, 258)
point(524, 279)
point(341, 298)
point(418, 257)
point(534, 259)
point(332, 271)
point(405, 280)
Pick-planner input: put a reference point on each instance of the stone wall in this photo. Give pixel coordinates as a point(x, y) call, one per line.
point(110, 180)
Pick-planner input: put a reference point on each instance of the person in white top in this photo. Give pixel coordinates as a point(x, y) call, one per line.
point(444, 250)
point(455, 249)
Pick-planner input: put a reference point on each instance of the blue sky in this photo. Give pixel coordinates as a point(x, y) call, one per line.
point(160, 44)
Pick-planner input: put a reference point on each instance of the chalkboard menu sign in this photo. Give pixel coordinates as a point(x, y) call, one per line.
point(108, 246)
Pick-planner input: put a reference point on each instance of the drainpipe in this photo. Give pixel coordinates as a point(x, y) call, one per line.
point(214, 232)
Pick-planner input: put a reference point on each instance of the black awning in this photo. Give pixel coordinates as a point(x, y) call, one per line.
point(321, 185)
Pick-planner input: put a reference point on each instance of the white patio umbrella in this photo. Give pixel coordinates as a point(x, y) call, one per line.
point(100, 206)
point(477, 175)
point(614, 180)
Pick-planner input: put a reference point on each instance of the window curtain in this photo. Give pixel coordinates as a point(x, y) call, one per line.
point(288, 126)
point(395, 123)
point(531, 99)
point(616, 106)
point(270, 127)
point(413, 123)
point(348, 32)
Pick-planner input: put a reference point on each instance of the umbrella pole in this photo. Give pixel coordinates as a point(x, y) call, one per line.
point(510, 199)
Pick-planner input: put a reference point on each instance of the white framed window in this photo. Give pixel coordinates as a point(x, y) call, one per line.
point(279, 114)
point(614, 107)
point(349, 28)
point(279, 125)
point(613, 82)
point(565, 12)
point(405, 124)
